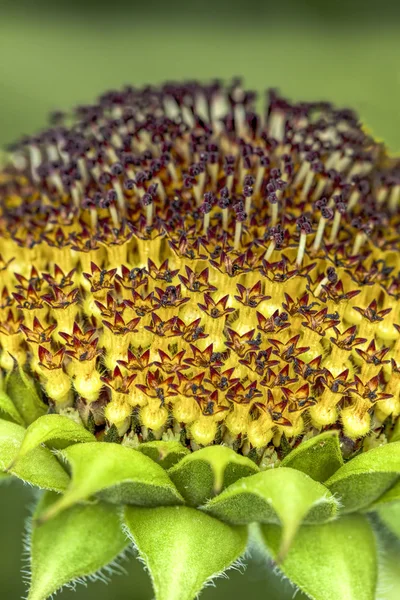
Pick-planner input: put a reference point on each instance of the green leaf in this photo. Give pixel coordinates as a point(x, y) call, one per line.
point(7, 407)
point(362, 480)
point(40, 468)
point(183, 548)
point(206, 472)
point(318, 457)
point(73, 545)
point(166, 454)
point(332, 561)
point(23, 393)
point(284, 496)
point(390, 515)
point(57, 431)
point(116, 474)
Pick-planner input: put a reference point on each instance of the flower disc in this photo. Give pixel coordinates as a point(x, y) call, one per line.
point(176, 266)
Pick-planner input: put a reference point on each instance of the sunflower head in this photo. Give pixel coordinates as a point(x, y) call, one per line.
point(209, 288)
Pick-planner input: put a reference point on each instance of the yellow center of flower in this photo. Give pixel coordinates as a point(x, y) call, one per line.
point(173, 263)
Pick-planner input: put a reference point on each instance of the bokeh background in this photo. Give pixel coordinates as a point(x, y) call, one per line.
point(55, 53)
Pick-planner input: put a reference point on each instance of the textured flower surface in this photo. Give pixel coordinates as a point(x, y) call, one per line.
point(200, 339)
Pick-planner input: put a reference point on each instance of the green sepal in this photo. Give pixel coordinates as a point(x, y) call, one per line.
point(56, 431)
point(111, 435)
point(7, 406)
point(206, 472)
point(41, 468)
point(114, 473)
point(362, 480)
point(166, 454)
point(73, 545)
point(331, 561)
point(283, 496)
point(319, 457)
point(183, 548)
point(24, 395)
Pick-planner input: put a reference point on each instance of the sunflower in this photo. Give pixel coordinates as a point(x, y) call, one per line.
point(199, 331)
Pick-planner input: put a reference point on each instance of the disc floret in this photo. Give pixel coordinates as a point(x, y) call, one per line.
point(174, 264)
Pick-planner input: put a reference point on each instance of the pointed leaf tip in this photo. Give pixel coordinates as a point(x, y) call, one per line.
point(114, 473)
point(319, 457)
point(7, 406)
point(366, 477)
point(73, 545)
point(164, 453)
point(284, 496)
point(183, 548)
point(330, 561)
point(54, 430)
point(41, 468)
point(24, 395)
point(206, 472)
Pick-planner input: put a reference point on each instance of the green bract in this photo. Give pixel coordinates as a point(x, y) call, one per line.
point(331, 561)
point(40, 468)
point(73, 545)
point(111, 495)
point(25, 397)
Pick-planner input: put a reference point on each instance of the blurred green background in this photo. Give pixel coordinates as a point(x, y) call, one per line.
point(55, 54)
